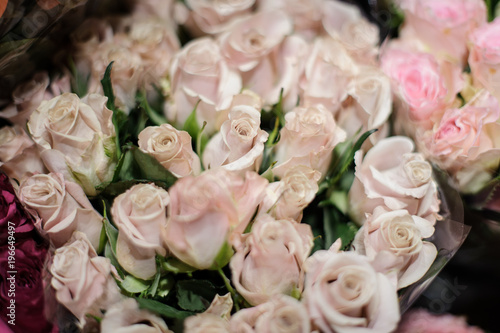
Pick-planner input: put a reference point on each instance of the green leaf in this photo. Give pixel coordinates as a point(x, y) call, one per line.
point(134, 285)
point(176, 266)
point(195, 295)
point(337, 225)
point(151, 169)
point(111, 233)
point(156, 280)
point(191, 124)
point(79, 83)
point(156, 117)
point(108, 253)
point(190, 301)
point(162, 309)
point(103, 238)
point(108, 88)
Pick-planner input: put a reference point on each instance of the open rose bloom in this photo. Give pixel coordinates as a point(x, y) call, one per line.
point(252, 165)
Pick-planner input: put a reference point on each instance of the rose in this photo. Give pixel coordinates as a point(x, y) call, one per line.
point(19, 157)
point(13, 218)
point(370, 104)
point(126, 317)
point(328, 61)
point(288, 197)
point(425, 87)
point(344, 292)
point(465, 141)
point(201, 77)
point(391, 175)
point(82, 281)
point(76, 138)
point(345, 23)
point(281, 314)
point(401, 234)
point(23, 290)
point(170, 147)
point(213, 17)
point(308, 138)
point(61, 207)
point(443, 24)
point(214, 320)
point(269, 259)
point(420, 320)
point(484, 57)
point(239, 145)
point(139, 214)
point(204, 210)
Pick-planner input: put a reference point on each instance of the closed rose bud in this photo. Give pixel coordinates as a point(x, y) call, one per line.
point(172, 148)
point(62, 208)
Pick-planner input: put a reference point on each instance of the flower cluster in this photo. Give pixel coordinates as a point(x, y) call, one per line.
point(251, 160)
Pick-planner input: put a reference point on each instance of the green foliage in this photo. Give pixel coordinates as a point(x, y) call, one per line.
point(162, 309)
point(191, 126)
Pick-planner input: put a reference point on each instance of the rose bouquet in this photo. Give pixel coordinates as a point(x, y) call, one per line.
point(230, 167)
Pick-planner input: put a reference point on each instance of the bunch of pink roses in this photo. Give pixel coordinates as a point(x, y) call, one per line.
point(231, 182)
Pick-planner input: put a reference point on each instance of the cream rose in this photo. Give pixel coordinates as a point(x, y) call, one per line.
point(19, 157)
point(126, 317)
point(269, 259)
point(401, 234)
point(239, 144)
point(484, 57)
point(214, 320)
point(204, 210)
point(201, 77)
point(391, 175)
point(82, 281)
point(443, 24)
point(172, 148)
point(288, 197)
point(281, 314)
point(308, 138)
point(139, 214)
point(465, 141)
point(345, 293)
point(76, 138)
point(62, 208)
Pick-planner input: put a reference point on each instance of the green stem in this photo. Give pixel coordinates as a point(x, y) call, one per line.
point(230, 288)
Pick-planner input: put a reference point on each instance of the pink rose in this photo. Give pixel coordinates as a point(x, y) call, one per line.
point(328, 62)
point(401, 234)
point(214, 320)
point(281, 314)
point(287, 198)
point(269, 259)
point(391, 175)
point(19, 157)
point(425, 87)
point(82, 281)
point(172, 148)
point(201, 77)
point(443, 24)
point(267, 60)
point(484, 57)
point(214, 17)
point(240, 143)
point(344, 292)
point(127, 317)
point(308, 138)
point(139, 214)
point(370, 104)
point(420, 320)
point(465, 142)
point(62, 208)
point(204, 210)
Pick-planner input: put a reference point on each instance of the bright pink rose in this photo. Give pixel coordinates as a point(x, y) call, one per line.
point(392, 175)
point(201, 77)
point(424, 87)
point(420, 320)
point(239, 145)
point(269, 259)
point(401, 234)
point(204, 210)
point(62, 208)
point(484, 57)
point(172, 148)
point(139, 214)
point(308, 138)
point(82, 280)
point(444, 25)
point(466, 141)
point(345, 292)
point(281, 314)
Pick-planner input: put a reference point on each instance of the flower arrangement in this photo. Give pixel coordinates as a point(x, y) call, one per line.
point(219, 167)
